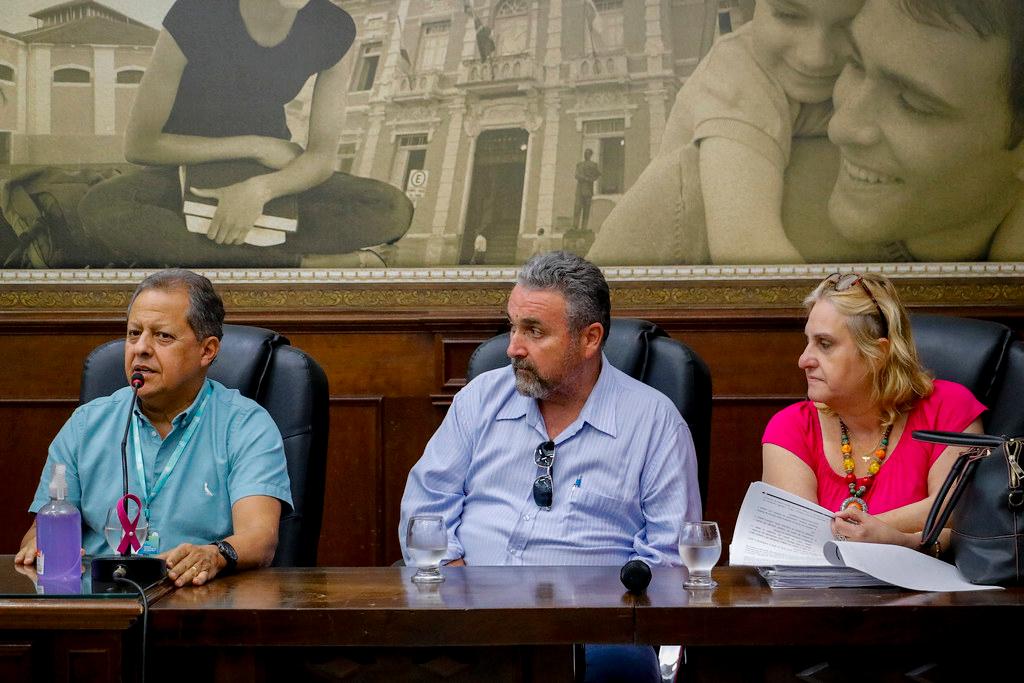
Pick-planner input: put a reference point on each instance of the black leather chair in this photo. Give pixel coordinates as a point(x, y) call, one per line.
point(645, 352)
point(982, 355)
point(291, 386)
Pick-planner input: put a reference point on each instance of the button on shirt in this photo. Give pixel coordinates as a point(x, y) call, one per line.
point(236, 451)
point(624, 474)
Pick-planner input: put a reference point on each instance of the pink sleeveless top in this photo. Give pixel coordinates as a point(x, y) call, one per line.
point(903, 478)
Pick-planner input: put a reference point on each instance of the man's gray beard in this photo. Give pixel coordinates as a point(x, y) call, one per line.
point(529, 384)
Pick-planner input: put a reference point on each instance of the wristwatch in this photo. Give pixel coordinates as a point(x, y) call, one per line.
point(227, 551)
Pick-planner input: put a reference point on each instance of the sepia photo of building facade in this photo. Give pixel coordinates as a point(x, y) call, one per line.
point(480, 110)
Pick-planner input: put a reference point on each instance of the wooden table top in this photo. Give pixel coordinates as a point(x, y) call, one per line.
point(743, 610)
point(381, 606)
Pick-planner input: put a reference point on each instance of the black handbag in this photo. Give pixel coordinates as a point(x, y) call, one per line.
point(982, 500)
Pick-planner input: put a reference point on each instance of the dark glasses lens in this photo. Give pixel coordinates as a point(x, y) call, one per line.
point(842, 282)
point(542, 495)
point(544, 456)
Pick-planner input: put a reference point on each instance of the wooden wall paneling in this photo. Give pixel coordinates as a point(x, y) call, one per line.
point(26, 429)
point(354, 484)
point(409, 424)
point(736, 428)
point(367, 363)
point(47, 364)
point(16, 659)
point(452, 357)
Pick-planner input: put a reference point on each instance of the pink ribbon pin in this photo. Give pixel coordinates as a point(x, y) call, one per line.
point(130, 539)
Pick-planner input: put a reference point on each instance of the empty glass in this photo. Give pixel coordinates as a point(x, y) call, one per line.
point(426, 542)
point(700, 546)
point(113, 532)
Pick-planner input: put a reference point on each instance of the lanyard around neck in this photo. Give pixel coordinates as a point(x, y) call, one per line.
point(147, 497)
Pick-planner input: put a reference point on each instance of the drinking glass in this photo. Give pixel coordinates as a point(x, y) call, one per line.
point(113, 532)
point(700, 546)
point(426, 541)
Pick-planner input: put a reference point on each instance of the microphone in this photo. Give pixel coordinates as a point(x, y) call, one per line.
point(108, 570)
point(136, 381)
point(635, 576)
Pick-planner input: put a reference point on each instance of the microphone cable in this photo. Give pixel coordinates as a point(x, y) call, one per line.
point(145, 620)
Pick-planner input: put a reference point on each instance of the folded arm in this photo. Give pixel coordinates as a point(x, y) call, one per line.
point(255, 522)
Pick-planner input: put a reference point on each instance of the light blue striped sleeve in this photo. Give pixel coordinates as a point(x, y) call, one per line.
point(669, 492)
point(437, 482)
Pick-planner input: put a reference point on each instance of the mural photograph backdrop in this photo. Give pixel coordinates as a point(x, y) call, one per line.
point(510, 127)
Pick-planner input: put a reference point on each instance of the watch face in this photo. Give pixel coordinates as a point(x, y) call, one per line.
point(227, 551)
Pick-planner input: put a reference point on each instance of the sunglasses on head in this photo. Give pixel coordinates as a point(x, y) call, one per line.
point(544, 457)
point(841, 282)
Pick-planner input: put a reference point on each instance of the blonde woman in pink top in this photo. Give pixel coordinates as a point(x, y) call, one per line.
point(849, 446)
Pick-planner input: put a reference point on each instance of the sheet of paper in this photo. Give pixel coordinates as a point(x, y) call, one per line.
point(900, 566)
point(775, 527)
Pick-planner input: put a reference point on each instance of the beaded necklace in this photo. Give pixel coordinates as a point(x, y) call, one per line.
point(859, 485)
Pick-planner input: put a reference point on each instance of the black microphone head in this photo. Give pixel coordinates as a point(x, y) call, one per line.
point(137, 381)
point(635, 576)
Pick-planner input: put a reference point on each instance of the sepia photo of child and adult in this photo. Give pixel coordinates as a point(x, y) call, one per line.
point(480, 132)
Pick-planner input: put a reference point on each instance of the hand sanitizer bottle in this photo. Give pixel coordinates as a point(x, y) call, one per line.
point(59, 531)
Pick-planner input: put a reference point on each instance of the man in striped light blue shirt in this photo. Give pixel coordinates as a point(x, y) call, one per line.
point(623, 470)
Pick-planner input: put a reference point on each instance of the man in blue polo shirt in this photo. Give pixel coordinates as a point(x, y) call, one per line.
point(207, 462)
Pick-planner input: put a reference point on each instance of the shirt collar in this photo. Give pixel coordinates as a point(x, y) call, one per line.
point(184, 417)
point(598, 411)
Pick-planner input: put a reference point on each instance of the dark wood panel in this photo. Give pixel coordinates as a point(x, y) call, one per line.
point(755, 362)
point(384, 364)
point(736, 430)
point(353, 505)
point(453, 352)
point(409, 424)
point(26, 430)
point(47, 365)
point(16, 661)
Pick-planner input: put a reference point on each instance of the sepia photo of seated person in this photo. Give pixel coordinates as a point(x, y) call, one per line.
point(221, 74)
point(942, 182)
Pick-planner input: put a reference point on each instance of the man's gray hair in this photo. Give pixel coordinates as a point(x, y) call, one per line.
point(579, 281)
point(205, 308)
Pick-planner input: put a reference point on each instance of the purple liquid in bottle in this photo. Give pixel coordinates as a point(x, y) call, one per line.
point(59, 532)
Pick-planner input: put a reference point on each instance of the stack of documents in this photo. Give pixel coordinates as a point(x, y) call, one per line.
point(783, 576)
point(790, 541)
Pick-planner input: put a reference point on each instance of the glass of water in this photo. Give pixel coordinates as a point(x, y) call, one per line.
point(426, 542)
point(113, 532)
point(700, 546)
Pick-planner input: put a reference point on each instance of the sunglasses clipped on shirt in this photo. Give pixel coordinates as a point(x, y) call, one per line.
point(544, 457)
point(844, 281)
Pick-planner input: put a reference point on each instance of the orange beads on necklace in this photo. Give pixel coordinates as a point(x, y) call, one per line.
point(859, 485)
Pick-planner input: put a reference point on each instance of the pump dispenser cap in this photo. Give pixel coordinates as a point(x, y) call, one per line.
point(59, 482)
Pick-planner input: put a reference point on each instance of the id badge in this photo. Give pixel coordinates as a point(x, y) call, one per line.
point(152, 544)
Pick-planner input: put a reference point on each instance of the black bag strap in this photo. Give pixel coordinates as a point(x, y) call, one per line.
point(960, 439)
point(979, 446)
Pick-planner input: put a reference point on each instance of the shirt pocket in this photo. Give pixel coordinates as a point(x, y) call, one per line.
point(595, 519)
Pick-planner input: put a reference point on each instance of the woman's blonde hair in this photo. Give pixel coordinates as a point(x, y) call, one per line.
point(897, 378)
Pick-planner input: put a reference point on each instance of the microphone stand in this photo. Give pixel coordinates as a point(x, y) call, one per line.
point(142, 569)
